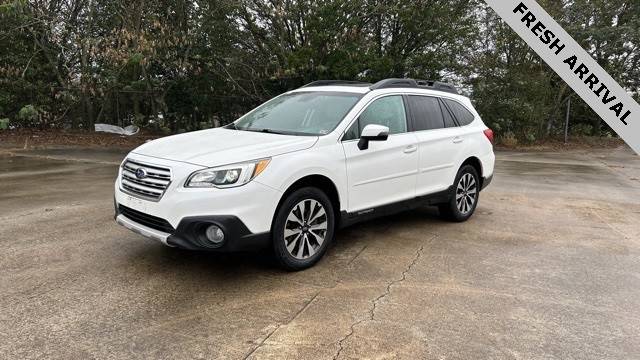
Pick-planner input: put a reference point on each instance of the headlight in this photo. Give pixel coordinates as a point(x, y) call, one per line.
point(228, 175)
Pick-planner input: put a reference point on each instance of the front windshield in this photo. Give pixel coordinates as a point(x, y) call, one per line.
point(300, 113)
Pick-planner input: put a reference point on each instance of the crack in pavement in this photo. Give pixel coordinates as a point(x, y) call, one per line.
point(337, 282)
point(306, 305)
point(594, 211)
point(374, 302)
point(357, 255)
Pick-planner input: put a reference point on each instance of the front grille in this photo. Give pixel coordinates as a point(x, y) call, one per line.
point(151, 185)
point(146, 219)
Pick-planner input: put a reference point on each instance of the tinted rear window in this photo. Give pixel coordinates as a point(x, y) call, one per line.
point(426, 113)
point(461, 113)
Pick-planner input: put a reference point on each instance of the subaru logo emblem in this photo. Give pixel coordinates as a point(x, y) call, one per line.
point(141, 173)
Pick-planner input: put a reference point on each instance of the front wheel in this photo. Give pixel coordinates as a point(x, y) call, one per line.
point(303, 228)
point(465, 196)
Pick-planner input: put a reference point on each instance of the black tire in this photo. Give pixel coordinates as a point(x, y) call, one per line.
point(309, 247)
point(454, 210)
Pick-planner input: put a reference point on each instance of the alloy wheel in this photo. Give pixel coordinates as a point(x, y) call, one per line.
point(466, 193)
point(305, 229)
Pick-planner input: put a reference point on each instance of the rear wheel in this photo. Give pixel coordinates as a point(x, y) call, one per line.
point(303, 228)
point(465, 196)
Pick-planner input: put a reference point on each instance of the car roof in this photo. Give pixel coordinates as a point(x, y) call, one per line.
point(335, 88)
point(362, 90)
point(391, 85)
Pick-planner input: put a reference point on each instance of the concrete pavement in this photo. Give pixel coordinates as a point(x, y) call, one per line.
point(548, 267)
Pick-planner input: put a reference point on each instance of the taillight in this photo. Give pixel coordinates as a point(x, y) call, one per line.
point(489, 134)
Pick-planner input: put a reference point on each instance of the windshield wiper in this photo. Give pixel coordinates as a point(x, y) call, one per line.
point(269, 131)
point(272, 131)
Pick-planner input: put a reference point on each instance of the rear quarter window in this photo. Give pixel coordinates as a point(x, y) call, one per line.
point(448, 118)
point(464, 116)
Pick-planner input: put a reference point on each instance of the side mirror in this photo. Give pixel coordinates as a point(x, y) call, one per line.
point(372, 132)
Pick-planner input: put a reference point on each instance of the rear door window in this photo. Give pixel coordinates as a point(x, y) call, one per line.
point(426, 113)
point(464, 116)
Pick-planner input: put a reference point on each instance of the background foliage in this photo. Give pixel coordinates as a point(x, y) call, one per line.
point(171, 65)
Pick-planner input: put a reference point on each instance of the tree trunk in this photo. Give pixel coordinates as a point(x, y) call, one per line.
point(86, 93)
point(150, 93)
point(556, 108)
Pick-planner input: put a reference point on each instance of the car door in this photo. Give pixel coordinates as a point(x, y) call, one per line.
point(436, 132)
point(385, 172)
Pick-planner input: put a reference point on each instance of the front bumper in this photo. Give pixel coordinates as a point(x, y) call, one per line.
point(141, 229)
point(177, 219)
point(190, 232)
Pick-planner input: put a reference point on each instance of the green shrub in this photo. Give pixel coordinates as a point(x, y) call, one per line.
point(509, 139)
point(530, 136)
point(28, 116)
point(28, 112)
point(582, 129)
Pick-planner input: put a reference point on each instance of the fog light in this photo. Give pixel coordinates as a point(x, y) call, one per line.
point(215, 234)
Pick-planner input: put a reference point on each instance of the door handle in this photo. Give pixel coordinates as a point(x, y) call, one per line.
point(409, 149)
point(457, 140)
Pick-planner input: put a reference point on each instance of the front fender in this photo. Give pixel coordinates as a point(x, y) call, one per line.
point(328, 161)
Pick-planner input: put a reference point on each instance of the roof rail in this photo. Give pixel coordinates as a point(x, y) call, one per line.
point(438, 85)
point(336, 83)
point(411, 83)
point(394, 83)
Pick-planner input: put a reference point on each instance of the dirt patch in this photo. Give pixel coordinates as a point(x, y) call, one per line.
point(30, 139)
point(574, 143)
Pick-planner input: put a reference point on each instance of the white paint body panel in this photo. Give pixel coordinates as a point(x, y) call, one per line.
point(385, 173)
point(382, 174)
point(215, 147)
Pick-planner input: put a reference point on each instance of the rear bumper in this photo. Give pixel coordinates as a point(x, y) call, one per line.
point(190, 232)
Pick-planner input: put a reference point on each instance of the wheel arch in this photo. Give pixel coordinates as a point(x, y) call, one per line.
point(319, 181)
point(477, 164)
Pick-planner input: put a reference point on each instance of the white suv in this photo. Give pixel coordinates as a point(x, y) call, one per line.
point(291, 172)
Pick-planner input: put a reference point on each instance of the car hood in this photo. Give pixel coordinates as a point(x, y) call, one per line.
point(220, 146)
